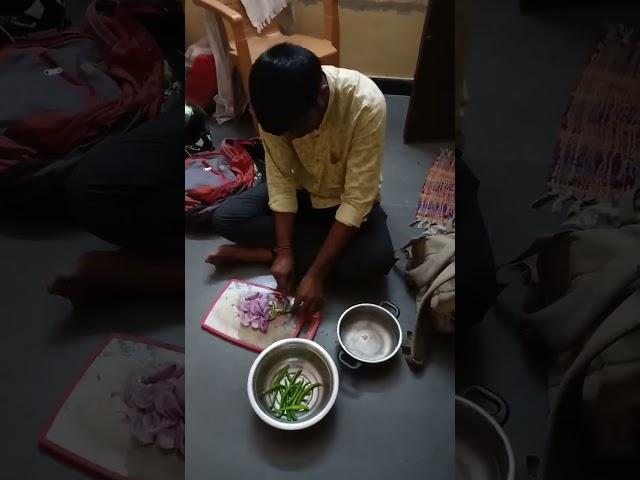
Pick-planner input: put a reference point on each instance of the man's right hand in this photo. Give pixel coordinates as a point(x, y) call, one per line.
point(282, 271)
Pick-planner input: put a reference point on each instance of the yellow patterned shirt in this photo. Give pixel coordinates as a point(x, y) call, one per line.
point(340, 162)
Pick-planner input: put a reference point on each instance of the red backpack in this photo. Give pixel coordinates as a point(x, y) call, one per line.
point(211, 177)
point(62, 91)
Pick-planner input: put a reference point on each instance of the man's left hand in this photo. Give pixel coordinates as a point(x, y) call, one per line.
point(310, 295)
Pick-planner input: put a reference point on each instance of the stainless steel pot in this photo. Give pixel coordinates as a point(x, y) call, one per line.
point(369, 333)
point(483, 451)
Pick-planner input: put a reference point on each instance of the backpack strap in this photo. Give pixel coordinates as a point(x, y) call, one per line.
point(241, 162)
point(97, 24)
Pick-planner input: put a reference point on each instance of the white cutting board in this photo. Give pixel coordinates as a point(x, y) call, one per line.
point(89, 428)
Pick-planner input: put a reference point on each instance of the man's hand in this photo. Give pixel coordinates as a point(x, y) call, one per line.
point(282, 270)
point(310, 295)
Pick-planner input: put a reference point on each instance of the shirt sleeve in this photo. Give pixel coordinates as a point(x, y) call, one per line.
point(364, 162)
point(279, 159)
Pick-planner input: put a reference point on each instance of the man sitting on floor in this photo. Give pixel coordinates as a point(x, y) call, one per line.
point(319, 213)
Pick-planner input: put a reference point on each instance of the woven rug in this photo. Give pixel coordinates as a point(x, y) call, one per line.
point(597, 155)
point(437, 204)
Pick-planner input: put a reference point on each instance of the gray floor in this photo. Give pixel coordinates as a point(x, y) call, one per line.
point(387, 422)
point(45, 342)
point(520, 72)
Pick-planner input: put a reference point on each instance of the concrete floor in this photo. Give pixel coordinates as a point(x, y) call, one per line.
point(520, 72)
point(363, 433)
point(45, 342)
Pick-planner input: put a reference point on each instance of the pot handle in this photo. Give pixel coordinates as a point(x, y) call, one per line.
point(501, 409)
point(392, 307)
point(347, 361)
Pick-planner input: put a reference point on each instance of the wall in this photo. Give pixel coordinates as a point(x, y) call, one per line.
point(378, 37)
point(194, 20)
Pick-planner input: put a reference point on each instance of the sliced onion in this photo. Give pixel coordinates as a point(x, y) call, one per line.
point(155, 407)
point(255, 310)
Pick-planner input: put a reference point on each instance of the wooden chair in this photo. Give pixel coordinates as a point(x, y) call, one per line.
point(245, 45)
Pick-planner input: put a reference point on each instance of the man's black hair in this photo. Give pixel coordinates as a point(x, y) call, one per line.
point(284, 85)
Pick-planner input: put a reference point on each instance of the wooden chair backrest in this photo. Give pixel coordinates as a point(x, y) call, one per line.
point(250, 31)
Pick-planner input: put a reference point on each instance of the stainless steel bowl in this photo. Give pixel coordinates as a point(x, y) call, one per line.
point(369, 333)
point(483, 451)
point(299, 354)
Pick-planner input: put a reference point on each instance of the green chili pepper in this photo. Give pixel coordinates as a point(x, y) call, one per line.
point(288, 389)
point(300, 408)
point(289, 393)
point(280, 375)
point(299, 394)
point(277, 380)
point(310, 389)
point(296, 375)
point(272, 388)
point(274, 395)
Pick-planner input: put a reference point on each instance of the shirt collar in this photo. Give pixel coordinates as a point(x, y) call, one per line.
point(332, 94)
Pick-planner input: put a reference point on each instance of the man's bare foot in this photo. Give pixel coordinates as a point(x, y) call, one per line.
point(237, 254)
point(105, 275)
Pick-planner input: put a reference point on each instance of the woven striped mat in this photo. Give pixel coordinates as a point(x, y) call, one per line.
point(437, 203)
point(597, 154)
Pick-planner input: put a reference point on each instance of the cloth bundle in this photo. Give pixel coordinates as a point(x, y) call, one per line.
point(584, 311)
point(431, 271)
